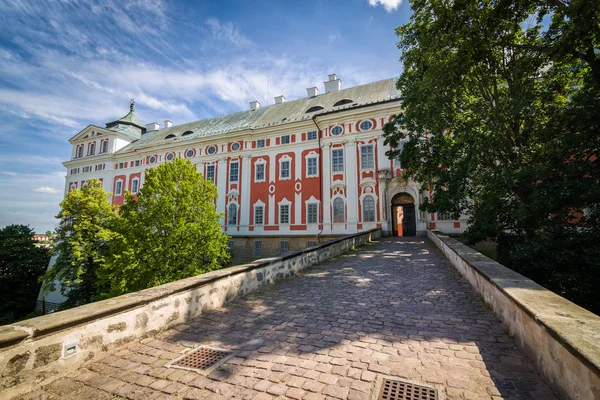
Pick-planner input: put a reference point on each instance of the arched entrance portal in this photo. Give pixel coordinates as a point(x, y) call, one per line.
point(403, 215)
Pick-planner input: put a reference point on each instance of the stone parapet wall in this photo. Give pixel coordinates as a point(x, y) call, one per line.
point(562, 338)
point(36, 351)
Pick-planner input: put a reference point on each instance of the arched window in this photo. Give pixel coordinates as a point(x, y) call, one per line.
point(232, 214)
point(170, 136)
point(369, 209)
point(186, 133)
point(314, 109)
point(342, 102)
point(80, 151)
point(339, 214)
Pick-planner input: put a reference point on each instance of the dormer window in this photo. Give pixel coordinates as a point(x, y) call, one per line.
point(342, 102)
point(171, 136)
point(186, 133)
point(314, 109)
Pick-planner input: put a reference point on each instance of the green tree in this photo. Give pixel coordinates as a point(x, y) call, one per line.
point(22, 264)
point(85, 230)
point(170, 231)
point(502, 119)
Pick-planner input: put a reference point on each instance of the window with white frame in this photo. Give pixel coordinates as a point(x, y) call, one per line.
point(285, 139)
point(210, 172)
point(284, 213)
point(337, 130)
point(257, 248)
point(100, 167)
point(121, 165)
point(312, 135)
point(339, 212)
point(73, 171)
point(400, 147)
point(367, 157)
point(135, 185)
point(152, 159)
point(284, 172)
point(368, 209)
point(312, 213)
point(190, 153)
point(138, 163)
point(337, 160)
point(259, 173)
point(235, 146)
point(366, 125)
point(234, 169)
point(119, 188)
point(284, 247)
point(86, 169)
point(104, 146)
point(259, 215)
point(311, 166)
point(232, 214)
point(79, 151)
point(260, 143)
point(170, 156)
point(92, 149)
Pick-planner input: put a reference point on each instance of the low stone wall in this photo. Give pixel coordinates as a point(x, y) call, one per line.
point(36, 351)
point(562, 338)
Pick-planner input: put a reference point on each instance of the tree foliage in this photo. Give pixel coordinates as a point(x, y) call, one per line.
point(502, 120)
point(170, 231)
point(22, 264)
point(85, 230)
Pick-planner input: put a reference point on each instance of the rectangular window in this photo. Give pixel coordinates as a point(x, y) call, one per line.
point(135, 186)
point(234, 171)
point(137, 163)
point(121, 165)
point(210, 172)
point(86, 169)
point(337, 160)
point(311, 166)
point(284, 214)
point(284, 247)
point(92, 149)
point(312, 135)
point(100, 167)
point(259, 173)
point(104, 148)
point(79, 152)
point(260, 143)
point(285, 170)
point(258, 215)
point(367, 157)
point(119, 188)
point(285, 139)
point(257, 248)
point(73, 171)
point(397, 160)
point(312, 213)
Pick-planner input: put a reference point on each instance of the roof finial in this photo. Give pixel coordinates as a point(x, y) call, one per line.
point(131, 105)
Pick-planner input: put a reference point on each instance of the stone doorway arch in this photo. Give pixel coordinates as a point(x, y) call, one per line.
point(404, 219)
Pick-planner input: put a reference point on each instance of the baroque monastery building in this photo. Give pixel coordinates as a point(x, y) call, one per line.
point(288, 175)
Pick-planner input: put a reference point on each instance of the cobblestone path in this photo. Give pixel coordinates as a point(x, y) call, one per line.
point(395, 308)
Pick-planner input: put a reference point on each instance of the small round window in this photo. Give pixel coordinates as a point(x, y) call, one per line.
point(170, 156)
point(235, 146)
point(190, 153)
point(337, 130)
point(152, 159)
point(366, 125)
point(211, 150)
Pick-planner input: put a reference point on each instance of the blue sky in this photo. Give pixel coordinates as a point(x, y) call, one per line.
point(65, 64)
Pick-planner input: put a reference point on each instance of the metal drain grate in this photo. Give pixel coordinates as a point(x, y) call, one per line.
point(202, 359)
point(393, 389)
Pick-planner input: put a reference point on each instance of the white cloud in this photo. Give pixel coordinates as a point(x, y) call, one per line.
point(389, 5)
point(334, 36)
point(46, 189)
point(227, 31)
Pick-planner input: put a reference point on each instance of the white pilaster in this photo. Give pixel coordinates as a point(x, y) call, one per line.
point(221, 184)
point(245, 194)
point(271, 214)
point(351, 185)
point(298, 209)
point(326, 201)
point(383, 161)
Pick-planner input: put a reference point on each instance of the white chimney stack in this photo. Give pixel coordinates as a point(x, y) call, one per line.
point(279, 99)
point(168, 123)
point(312, 91)
point(254, 105)
point(152, 127)
point(333, 84)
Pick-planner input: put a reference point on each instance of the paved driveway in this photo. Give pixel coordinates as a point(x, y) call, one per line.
point(395, 308)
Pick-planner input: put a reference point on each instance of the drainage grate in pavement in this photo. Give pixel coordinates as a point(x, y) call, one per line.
point(203, 359)
point(394, 389)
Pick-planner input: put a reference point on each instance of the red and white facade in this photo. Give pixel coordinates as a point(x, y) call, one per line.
point(305, 168)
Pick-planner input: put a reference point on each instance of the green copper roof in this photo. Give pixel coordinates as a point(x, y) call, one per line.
point(129, 119)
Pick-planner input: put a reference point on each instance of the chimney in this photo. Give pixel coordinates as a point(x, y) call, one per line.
point(333, 84)
point(279, 99)
point(152, 127)
point(168, 123)
point(254, 105)
point(312, 91)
